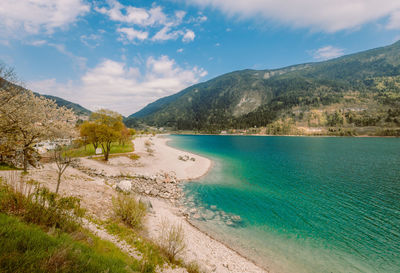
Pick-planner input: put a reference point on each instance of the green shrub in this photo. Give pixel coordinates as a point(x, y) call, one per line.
point(171, 239)
point(193, 267)
point(129, 210)
point(37, 204)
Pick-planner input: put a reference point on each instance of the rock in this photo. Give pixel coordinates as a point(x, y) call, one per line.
point(193, 210)
point(197, 217)
point(229, 223)
point(213, 207)
point(124, 186)
point(209, 215)
point(236, 218)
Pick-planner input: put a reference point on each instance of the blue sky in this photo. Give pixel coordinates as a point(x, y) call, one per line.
point(122, 55)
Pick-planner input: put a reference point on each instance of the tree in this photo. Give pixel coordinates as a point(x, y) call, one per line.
point(26, 119)
point(62, 161)
point(88, 134)
point(105, 127)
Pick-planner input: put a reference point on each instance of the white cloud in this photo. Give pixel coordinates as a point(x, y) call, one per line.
point(394, 21)
point(38, 42)
point(148, 22)
point(123, 88)
point(325, 15)
point(92, 40)
point(179, 50)
point(19, 17)
point(133, 34)
point(327, 52)
point(189, 36)
point(134, 15)
point(166, 34)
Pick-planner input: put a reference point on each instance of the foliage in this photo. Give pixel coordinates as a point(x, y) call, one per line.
point(27, 248)
point(104, 128)
point(129, 210)
point(88, 150)
point(6, 167)
point(88, 133)
point(171, 239)
point(26, 119)
point(36, 204)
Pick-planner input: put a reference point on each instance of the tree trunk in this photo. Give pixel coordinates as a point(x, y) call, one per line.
point(106, 152)
point(58, 181)
point(25, 160)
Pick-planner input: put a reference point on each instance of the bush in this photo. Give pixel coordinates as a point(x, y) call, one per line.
point(37, 204)
point(129, 210)
point(193, 267)
point(171, 239)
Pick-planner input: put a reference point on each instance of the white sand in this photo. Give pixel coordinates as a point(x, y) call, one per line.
point(164, 159)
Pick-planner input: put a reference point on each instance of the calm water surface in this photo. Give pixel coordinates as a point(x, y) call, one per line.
point(306, 204)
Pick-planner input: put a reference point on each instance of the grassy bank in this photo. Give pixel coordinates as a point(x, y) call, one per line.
point(88, 150)
point(26, 247)
point(41, 231)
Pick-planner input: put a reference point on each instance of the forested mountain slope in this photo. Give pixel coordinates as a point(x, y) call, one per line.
point(361, 89)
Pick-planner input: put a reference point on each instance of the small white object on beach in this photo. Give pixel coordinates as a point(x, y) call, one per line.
point(124, 185)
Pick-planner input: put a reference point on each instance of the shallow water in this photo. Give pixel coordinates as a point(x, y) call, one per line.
point(306, 204)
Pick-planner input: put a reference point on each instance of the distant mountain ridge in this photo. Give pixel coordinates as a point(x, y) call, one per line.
point(77, 108)
point(249, 98)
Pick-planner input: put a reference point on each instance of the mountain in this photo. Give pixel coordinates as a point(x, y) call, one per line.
point(361, 88)
point(78, 109)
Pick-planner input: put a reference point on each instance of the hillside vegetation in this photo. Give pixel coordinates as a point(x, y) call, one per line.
point(354, 94)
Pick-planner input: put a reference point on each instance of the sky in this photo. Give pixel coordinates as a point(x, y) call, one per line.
point(122, 55)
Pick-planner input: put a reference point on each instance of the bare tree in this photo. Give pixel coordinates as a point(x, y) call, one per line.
point(63, 161)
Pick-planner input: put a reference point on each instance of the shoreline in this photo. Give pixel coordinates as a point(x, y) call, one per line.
point(265, 135)
point(204, 231)
point(210, 167)
point(250, 264)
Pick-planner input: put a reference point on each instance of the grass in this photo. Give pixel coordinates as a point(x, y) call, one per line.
point(25, 247)
point(40, 232)
point(129, 210)
point(88, 150)
point(36, 204)
point(152, 254)
point(5, 167)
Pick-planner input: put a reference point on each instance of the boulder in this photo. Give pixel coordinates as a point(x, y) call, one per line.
point(124, 186)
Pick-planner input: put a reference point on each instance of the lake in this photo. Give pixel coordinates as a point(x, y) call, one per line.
point(301, 204)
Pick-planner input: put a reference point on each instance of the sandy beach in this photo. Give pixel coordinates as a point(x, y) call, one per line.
point(97, 186)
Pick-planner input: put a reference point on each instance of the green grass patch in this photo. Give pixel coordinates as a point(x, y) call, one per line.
point(152, 255)
point(88, 150)
point(5, 167)
point(27, 248)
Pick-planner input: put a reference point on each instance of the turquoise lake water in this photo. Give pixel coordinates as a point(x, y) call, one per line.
point(306, 204)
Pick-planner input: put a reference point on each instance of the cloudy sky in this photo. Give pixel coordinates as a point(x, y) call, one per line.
point(122, 55)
